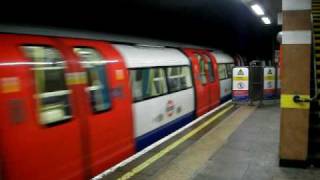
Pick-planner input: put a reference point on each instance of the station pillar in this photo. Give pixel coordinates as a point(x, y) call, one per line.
point(295, 80)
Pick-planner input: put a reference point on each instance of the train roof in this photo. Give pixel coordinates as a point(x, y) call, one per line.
point(81, 34)
point(222, 57)
point(141, 56)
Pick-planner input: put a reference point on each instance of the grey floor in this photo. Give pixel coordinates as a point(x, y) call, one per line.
point(251, 152)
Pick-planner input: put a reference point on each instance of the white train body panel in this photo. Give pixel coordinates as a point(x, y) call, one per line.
point(152, 114)
point(155, 115)
point(225, 84)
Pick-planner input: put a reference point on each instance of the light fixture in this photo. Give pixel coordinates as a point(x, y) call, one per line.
point(266, 20)
point(257, 9)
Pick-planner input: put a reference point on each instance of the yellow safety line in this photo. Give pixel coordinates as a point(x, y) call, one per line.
point(164, 151)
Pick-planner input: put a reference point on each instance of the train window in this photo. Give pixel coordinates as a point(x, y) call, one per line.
point(223, 74)
point(203, 66)
point(148, 83)
point(91, 60)
point(179, 78)
point(210, 68)
point(229, 68)
point(52, 93)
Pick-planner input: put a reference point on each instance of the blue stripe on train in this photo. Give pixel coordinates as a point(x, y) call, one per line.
point(225, 98)
point(154, 135)
point(240, 98)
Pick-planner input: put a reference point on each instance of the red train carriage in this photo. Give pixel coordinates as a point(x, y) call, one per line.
point(206, 79)
point(66, 105)
point(59, 119)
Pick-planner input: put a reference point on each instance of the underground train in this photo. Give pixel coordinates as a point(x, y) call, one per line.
point(73, 107)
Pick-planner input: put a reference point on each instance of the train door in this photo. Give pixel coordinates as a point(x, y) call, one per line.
point(106, 99)
point(40, 124)
point(200, 77)
point(213, 79)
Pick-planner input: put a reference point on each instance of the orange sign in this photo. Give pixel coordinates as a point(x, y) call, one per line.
point(119, 74)
point(10, 85)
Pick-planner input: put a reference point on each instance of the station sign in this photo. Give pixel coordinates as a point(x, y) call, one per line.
point(269, 91)
point(240, 84)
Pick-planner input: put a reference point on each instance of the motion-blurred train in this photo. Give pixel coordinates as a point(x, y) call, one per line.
point(73, 107)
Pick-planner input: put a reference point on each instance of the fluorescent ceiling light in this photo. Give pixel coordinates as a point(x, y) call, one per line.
point(266, 20)
point(257, 9)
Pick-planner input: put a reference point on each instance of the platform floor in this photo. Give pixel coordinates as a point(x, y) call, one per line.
point(244, 146)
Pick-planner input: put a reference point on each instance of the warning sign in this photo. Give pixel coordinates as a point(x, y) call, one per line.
point(269, 83)
point(240, 84)
point(240, 72)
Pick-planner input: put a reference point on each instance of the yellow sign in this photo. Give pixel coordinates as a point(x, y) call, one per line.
point(288, 103)
point(240, 78)
point(269, 78)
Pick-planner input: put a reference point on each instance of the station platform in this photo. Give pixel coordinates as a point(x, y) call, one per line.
point(243, 144)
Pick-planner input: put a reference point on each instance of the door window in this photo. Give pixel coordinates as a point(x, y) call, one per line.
point(94, 65)
point(51, 90)
point(203, 65)
point(210, 68)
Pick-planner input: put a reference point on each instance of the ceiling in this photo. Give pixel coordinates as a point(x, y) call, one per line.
point(223, 24)
point(272, 7)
